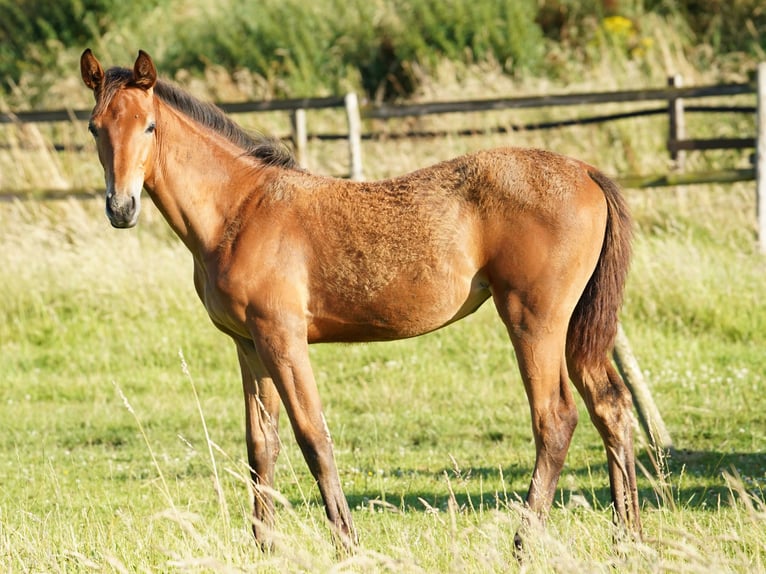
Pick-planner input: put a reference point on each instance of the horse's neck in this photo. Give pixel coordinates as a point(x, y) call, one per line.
point(192, 179)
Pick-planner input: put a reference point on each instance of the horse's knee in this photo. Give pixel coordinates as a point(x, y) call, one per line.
point(555, 427)
point(608, 400)
point(612, 406)
point(569, 416)
point(317, 451)
point(264, 446)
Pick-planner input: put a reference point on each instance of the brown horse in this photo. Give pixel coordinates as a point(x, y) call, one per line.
point(284, 258)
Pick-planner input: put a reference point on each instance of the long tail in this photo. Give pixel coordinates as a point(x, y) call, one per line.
point(593, 326)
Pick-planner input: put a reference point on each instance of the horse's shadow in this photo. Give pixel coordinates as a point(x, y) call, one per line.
point(699, 480)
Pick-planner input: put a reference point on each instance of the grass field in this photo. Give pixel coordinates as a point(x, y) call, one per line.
point(122, 418)
point(105, 462)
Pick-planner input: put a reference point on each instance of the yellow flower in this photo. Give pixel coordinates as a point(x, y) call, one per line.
point(618, 26)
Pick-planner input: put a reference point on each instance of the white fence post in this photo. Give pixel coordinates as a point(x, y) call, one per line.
point(354, 136)
point(760, 158)
point(300, 136)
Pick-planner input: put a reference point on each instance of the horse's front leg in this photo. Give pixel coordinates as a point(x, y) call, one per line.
point(262, 437)
point(284, 351)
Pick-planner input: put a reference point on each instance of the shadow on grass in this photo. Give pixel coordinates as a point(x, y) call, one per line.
point(692, 479)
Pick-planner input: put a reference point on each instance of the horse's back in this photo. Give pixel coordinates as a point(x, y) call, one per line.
point(423, 248)
point(400, 257)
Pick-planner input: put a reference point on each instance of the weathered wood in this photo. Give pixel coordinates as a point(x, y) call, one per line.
point(712, 143)
point(760, 200)
point(299, 136)
point(43, 116)
point(648, 414)
point(625, 96)
point(386, 111)
point(13, 195)
point(705, 177)
point(283, 105)
point(354, 136)
point(676, 124)
point(46, 116)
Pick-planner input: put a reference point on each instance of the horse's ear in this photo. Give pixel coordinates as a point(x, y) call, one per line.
point(91, 71)
point(144, 72)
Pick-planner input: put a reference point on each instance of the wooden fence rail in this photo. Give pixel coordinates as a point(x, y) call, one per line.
point(672, 95)
point(554, 100)
point(64, 115)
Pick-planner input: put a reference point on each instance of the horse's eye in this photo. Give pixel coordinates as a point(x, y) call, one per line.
point(150, 129)
point(92, 129)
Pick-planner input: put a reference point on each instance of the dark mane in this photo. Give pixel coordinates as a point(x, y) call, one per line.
point(265, 148)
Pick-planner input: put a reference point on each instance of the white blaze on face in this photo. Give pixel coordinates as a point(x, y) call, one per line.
point(125, 134)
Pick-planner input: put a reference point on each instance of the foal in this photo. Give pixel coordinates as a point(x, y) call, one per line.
point(284, 258)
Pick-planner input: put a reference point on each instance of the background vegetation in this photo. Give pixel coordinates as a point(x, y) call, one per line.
point(119, 455)
point(383, 48)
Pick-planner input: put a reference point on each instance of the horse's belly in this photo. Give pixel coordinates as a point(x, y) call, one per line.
point(397, 313)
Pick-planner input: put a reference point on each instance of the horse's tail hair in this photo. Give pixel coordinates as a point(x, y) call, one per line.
point(594, 322)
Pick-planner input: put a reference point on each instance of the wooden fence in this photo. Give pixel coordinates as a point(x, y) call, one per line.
point(673, 103)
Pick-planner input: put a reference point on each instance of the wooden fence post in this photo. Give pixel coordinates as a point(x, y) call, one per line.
point(648, 414)
point(677, 123)
point(760, 158)
point(299, 136)
point(354, 136)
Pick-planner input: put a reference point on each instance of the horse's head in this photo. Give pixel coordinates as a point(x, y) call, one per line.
point(123, 124)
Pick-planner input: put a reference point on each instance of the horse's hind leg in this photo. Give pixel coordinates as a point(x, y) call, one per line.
point(539, 340)
point(610, 406)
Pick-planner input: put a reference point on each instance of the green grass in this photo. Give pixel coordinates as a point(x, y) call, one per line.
point(105, 462)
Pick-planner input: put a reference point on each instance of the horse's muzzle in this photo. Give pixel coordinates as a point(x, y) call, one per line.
point(122, 211)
